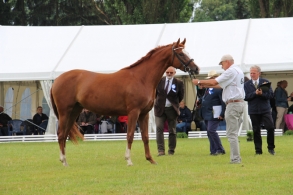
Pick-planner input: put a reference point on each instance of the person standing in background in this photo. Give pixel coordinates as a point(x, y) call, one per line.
point(259, 110)
point(169, 93)
point(281, 98)
point(211, 101)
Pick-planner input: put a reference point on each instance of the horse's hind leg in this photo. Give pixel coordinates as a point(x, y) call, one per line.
point(62, 143)
point(143, 123)
point(62, 136)
point(66, 123)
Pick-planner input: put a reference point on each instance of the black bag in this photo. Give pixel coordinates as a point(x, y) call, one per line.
point(195, 116)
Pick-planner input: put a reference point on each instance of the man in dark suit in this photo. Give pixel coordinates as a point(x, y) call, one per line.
point(169, 93)
point(212, 111)
point(259, 110)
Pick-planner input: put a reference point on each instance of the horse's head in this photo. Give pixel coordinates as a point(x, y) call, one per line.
point(183, 62)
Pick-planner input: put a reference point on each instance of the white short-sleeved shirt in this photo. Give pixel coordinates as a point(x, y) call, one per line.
point(232, 83)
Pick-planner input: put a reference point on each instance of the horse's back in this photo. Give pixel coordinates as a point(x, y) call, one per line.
point(88, 88)
point(102, 93)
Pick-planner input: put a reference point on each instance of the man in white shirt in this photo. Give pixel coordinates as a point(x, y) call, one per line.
point(232, 83)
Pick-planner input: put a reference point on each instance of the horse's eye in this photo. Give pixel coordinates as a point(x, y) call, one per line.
point(181, 54)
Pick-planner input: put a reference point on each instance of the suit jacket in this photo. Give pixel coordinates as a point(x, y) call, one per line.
point(175, 96)
point(210, 100)
point(257, 104)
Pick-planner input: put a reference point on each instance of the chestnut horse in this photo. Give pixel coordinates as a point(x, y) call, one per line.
point(130, 91)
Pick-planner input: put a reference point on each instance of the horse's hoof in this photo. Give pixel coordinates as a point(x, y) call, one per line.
point(153, 162)
point(65, 164)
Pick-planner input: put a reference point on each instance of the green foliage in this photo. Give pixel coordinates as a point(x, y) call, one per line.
point(218, 10)
point(288, 132)
point(113, 12)
point(98, 167)
point(95, 12)
point(249, 133)
point(148, 12)
point(5, 13)
point(181, 135)
point(270, 9)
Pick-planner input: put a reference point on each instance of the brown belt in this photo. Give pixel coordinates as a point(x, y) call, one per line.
point(230, 101)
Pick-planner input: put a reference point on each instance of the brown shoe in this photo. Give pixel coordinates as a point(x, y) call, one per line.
point(161, 153)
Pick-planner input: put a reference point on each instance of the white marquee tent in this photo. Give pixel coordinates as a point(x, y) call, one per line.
point(43, 53)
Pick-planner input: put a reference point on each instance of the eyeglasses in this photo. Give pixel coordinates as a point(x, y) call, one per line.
point(169, 72)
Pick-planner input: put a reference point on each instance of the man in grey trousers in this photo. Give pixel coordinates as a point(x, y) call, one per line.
point(232, 83)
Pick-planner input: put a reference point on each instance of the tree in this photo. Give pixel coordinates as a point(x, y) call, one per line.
point(5, 13)
point(273, 8)
point(218, 10)
point(98, 12)
point(147, 11)
point(56, 12)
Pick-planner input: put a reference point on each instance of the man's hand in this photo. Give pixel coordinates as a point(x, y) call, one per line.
point(195, 81)
point(258, 92)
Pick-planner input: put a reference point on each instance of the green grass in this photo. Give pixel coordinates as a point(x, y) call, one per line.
point(99, 168)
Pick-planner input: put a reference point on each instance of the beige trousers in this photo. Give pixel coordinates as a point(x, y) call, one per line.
point(280, 122)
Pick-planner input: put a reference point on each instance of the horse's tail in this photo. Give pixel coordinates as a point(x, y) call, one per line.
point(74, 134)
point(54, 105)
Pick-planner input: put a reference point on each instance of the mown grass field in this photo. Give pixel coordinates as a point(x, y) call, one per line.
point(99, 168)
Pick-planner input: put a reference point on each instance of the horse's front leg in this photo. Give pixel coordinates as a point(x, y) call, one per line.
point(132, 120)
point(130, 135)
point(143, 123)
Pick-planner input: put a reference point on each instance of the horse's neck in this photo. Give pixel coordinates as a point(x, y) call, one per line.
point(154, 68)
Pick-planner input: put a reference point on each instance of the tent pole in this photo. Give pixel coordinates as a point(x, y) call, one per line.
point(245, 45)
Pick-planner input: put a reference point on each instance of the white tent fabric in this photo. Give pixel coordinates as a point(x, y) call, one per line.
point(43, 53)
point(51, 128)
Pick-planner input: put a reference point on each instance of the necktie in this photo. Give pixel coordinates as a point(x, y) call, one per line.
point(255, 84)
point(167, 87)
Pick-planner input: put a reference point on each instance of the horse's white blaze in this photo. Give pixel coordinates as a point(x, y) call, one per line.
point(127, 157)
point(186, 53)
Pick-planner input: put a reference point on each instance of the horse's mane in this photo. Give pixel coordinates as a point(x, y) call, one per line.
point(149, 54)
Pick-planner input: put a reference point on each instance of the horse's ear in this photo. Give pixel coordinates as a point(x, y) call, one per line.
point(178, 42)
point(183, 42)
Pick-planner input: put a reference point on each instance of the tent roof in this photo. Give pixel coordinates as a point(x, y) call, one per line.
point(43, 53)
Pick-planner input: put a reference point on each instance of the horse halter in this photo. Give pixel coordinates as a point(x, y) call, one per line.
point(186, 66)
